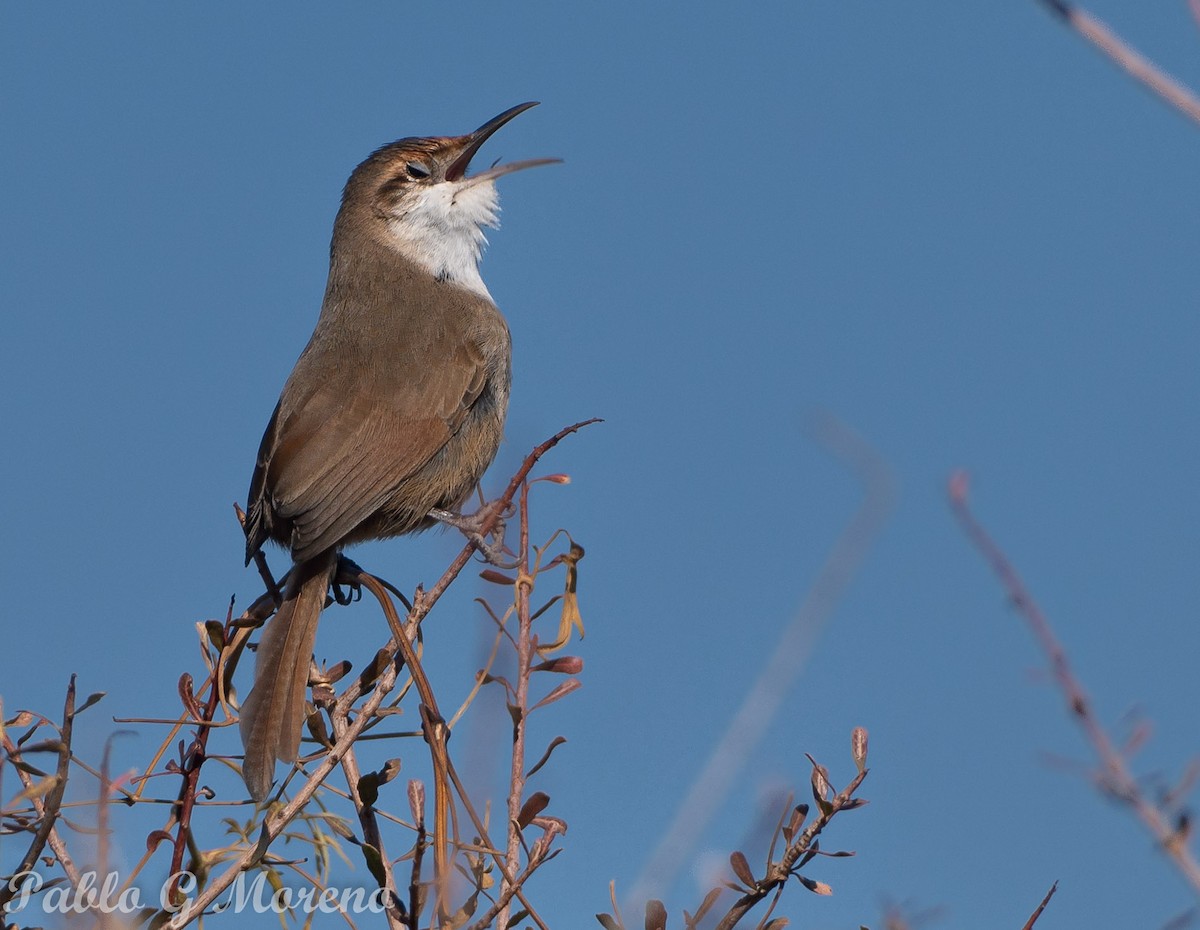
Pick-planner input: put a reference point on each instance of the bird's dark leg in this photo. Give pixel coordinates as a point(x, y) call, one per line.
point(471, 526)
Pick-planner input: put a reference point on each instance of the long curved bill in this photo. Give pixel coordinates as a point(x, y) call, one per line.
point(458, 168)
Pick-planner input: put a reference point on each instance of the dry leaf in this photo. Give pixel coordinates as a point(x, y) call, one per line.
point(571, 618)
point(858, 747)
point(815, 887)
point(741, 868)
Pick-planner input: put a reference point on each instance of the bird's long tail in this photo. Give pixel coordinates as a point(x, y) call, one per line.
point(272, 715)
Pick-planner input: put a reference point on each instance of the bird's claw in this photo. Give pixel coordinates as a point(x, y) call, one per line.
point(470, 525)
point(346, 567)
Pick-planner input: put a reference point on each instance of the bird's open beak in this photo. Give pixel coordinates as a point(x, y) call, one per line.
point(458, 168)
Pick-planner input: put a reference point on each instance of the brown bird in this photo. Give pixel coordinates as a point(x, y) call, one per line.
point(394, 410)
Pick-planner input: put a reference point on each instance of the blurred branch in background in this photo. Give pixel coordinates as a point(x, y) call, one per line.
point(786, 661)
point(1167, 818)
point(1128, 58)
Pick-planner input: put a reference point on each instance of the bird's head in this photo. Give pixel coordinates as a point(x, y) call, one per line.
point(417, 197)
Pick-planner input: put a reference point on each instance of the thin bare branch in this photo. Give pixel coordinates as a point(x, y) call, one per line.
point(53, 799)
point(1126, 57)
point(1116, 780)
point(1033, 918)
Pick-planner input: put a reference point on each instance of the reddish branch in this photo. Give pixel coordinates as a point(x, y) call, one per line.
point(1033, 918)
point(520, 706)
point(1127, 58)
point(1115, 776)
point(193, 760)
point(50, 805)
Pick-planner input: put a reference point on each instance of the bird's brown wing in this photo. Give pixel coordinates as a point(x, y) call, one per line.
point(332, 457)
point(258, 516)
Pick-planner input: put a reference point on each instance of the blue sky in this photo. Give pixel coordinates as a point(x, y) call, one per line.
point(954, 227)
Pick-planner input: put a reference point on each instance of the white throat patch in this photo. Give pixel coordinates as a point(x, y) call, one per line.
point(441, 228)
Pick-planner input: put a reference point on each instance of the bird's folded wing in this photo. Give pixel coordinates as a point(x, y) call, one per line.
point(336, 456)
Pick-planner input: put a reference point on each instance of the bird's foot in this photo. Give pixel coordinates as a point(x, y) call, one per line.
point(471, 526)
point(347, 571)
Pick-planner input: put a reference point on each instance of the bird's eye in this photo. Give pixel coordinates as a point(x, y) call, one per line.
point(416, 170)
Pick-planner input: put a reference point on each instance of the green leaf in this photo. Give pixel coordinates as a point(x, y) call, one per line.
point(375, 864)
